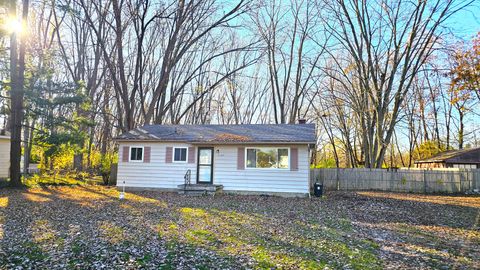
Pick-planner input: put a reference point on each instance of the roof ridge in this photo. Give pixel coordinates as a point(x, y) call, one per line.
point(453, 152)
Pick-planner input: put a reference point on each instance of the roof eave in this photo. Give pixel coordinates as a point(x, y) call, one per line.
point(213, 142)
point(429, 161)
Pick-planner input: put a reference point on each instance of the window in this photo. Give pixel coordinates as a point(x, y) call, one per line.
point(465, 166)
point(136, 154)
point(180, 154)
point(267, 157)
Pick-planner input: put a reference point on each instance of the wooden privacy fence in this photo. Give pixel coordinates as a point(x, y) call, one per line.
point(401, 180)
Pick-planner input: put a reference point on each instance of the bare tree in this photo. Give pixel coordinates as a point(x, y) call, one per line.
point(293, 41)
point(385, 43)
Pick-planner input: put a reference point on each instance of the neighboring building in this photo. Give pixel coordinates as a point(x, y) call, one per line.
point(4, 153)
point(240, 158)
point(464, 158)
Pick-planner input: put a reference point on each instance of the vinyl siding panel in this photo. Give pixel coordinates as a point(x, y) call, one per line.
point(156, 173)
point(262, 180)
point(4, 157)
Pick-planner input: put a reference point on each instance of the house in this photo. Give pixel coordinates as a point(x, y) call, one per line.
point(464, 158)
point(254, 158)
point(4, 153)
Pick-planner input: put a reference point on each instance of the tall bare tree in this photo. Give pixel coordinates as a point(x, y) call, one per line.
point(385, 43)
point(294, 45)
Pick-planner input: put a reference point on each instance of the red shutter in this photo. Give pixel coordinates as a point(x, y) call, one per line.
point(293, 159)
point(191, 154)
point(241, 158)
point(125, 153)
point(146, 155)
point(168, 155)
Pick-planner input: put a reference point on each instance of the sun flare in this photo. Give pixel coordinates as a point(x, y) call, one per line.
point(13, 25)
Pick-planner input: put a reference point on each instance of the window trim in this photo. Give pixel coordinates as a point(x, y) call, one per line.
point(266, 169)
point(130, 154)
point(186, 154)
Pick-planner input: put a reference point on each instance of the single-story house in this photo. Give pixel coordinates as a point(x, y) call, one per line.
point(4, 154)
point(463, 158)
point(253, 158)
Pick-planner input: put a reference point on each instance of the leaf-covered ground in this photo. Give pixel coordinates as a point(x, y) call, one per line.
point(88, 227)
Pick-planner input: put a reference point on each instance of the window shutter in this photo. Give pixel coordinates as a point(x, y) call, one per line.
point(146, 155)
point(125, 153)
point(294, 159)
point(168, 155)
point(191, 154)
point(241, 158)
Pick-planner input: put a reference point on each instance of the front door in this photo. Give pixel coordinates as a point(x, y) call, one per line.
point(205, 165)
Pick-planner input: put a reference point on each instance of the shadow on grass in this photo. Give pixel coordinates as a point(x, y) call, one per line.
point(432, 230)
point(84, 225)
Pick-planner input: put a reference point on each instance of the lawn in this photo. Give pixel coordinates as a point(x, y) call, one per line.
point(88, 227)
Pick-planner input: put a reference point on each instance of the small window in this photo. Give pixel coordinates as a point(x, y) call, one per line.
point(180, 154)
point(136, 153)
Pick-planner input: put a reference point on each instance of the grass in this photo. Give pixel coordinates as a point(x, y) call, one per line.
point(232, 233)
point(87, 226)
point(60, 180)
point(70, 179)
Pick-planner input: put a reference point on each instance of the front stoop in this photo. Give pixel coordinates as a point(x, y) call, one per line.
point(199, 189)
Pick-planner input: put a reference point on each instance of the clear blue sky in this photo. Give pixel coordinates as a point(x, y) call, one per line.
point(466, 23)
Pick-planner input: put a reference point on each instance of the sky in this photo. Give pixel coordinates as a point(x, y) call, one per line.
point(466, 23)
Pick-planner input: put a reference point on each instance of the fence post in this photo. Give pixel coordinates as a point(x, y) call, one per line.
point(337, 179)
point(470, 180)
point(460, 176)
point(424, 181)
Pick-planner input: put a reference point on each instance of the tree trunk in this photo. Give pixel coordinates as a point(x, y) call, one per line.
point(461, 128)
point(17, 69)
point(26, 153)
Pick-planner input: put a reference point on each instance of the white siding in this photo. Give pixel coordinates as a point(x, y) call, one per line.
point(4, 157)
point(157, 173)
point(263, 180)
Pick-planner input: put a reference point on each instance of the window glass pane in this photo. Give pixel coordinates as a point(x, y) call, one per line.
point(176, 155)
point(251, 158)
point(136, 153)
point(205, 156)
point(183, 152)
point(283, 158)
point(267, 158)
point(204, 173)
point(133, 154)
point(180, 154)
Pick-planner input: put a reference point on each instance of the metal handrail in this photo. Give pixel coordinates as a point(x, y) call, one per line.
point(187, 177)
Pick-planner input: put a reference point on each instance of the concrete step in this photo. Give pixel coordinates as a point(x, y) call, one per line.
point(199, 189)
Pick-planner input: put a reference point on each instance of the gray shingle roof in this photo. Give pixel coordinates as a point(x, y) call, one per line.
point(471, 155)
point(252, 133)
